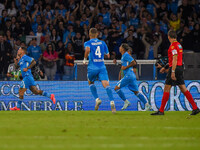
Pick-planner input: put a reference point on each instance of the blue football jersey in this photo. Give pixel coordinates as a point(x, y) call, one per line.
point(98, 49)
point(24, 62)
point(126, 60)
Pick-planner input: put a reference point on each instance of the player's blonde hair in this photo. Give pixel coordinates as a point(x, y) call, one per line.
point(93, 32)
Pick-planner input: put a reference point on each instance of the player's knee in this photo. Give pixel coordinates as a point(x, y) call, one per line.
point(36, 92)
point(89, 82)
point(136, 92)
point(21, 96)
point(117, 88)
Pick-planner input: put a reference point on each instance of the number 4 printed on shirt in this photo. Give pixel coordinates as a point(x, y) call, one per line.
point(98, 52)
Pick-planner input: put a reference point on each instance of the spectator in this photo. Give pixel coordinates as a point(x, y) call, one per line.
point(69, 33)
point(10, 38)
point(114, 44)
point(185, 9)
point(48, 12)
point(34, 50)
point(186, 39)
point(17, 30)
point(134, 43)
point(46, 41)
point(54, 36)
point(50, 57)
point(17, 45)
point(14, 71)
point(78, 42)
point(174, 21)
point(69, 63)
point(13, 22)
point(12, 11)
point(36, 23)
point(39, 32)
point(25, 24)
point(106, 16)
point(61, 55)
point(196, 38)
point(5, 55)
point(162, 10)
point(151, 45)
point(61, 30)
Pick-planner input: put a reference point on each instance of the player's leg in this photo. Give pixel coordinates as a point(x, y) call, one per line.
point(122, 83)
point(180, 82)
point(133, 86)
point(43, 93)
point(168, 84)
point(165, 98)
point(33, 88)
point(93, 89)
point(190, 99)
point(23, 88)
point(92, 75)
point(103, 77)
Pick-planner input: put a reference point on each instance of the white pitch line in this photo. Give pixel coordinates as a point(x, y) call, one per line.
point(103, 146)
point(97, 137)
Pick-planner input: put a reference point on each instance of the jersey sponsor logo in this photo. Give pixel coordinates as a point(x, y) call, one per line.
point(174, 52)
point(98, 60)
point(98, 43)
point(180, 46)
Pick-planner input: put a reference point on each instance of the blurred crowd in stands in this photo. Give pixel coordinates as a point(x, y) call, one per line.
point(54, 31)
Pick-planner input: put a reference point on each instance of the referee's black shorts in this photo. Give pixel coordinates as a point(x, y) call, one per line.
point(178, 74)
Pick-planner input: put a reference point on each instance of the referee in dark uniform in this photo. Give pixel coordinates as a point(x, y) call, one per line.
point(175, 74)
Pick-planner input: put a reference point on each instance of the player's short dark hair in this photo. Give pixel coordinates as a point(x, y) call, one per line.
point(125, 46)
point(93, 31)
point(172, 34)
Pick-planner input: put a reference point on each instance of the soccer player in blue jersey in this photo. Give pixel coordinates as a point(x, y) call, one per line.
point(26, 63)
point(129, 78)
point(96, 49)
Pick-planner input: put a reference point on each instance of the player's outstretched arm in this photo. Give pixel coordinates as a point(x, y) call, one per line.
point(33, 62)
point(133, 63)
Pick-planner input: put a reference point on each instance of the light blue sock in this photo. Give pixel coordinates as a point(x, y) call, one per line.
point(19, 104)
point(142, 98)
point(121, 94)
point(93, 90)
point(46, 94)
point(109, 92)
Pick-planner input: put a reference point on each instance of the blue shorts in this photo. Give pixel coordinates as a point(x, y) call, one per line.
point(130, 81)
point(27, 82)
point(100, 74)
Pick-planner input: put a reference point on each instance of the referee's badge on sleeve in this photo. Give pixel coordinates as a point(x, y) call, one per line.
point(174, 52)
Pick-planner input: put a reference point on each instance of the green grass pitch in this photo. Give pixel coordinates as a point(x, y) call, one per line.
point(98, 130)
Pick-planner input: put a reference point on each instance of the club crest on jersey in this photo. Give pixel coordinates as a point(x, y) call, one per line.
point(172, 47)
point(180, 46)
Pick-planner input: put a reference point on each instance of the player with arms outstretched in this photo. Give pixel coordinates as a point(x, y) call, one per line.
point(26, 63)
point(96, 49)
point(129, 78)
point(175, 74)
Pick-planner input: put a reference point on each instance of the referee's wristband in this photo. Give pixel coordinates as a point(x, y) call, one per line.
point(173, 70)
